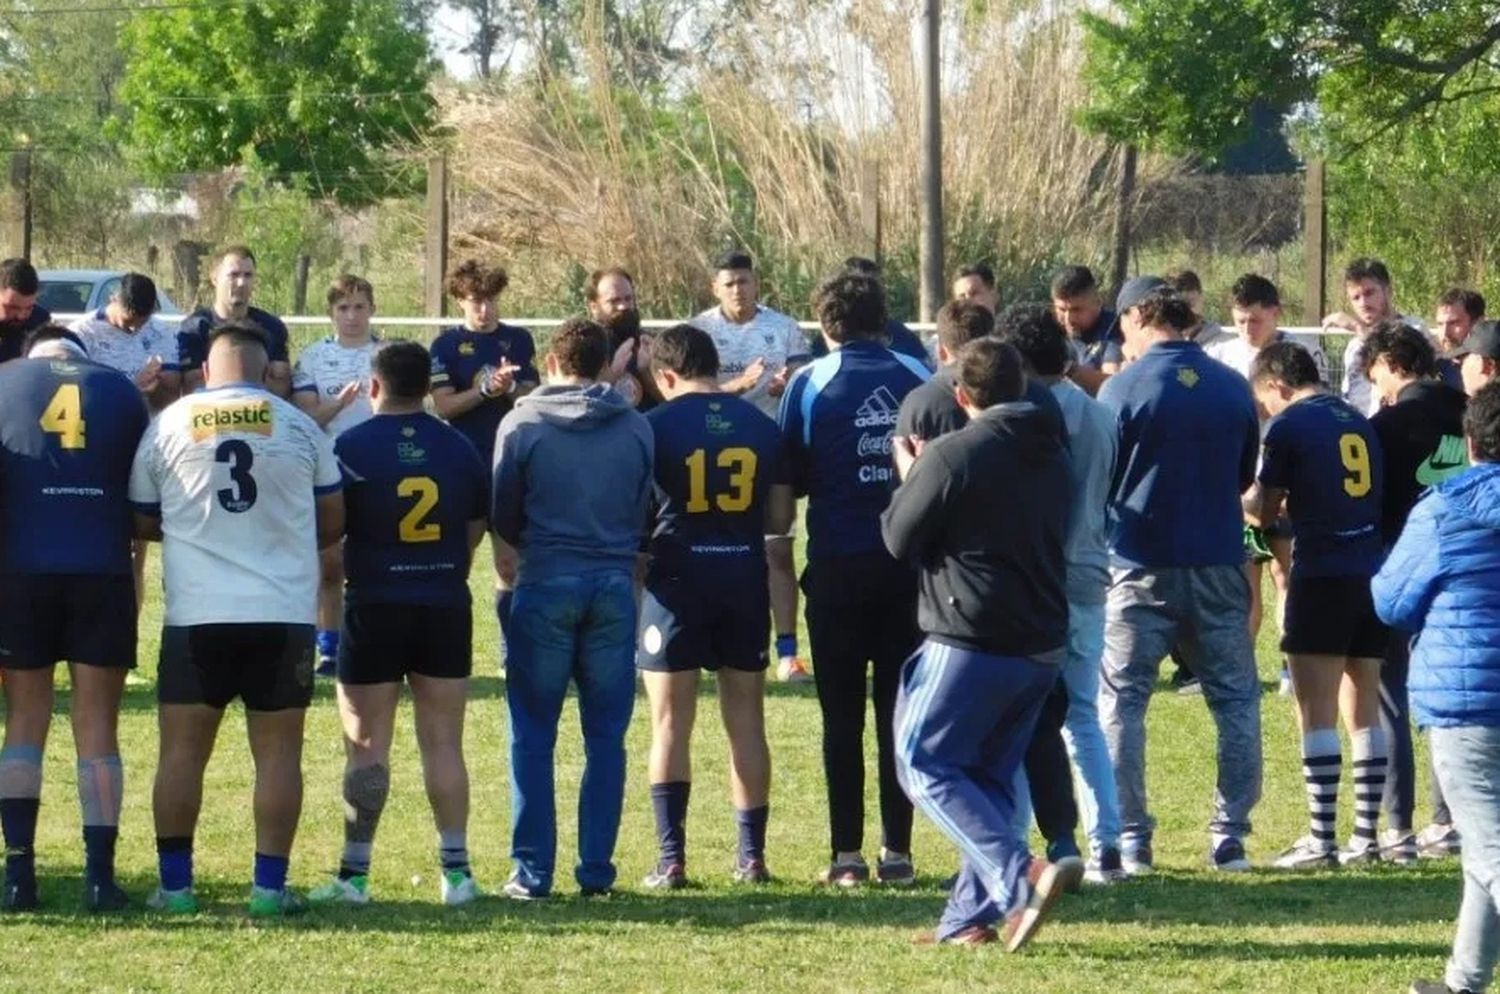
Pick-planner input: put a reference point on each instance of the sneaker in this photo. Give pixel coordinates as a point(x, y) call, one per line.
point(1434, 987)
point(1360, 853)
point(517, 890)
point(328, 666)
point(105, 895)
point(174, 902)
point(1284, 685)
point(19, 895)
point(458, 887)
point(1048, 882)
point(1307, 853)
point(1138, 860)
point(1398, 847)
point(596, 892)
point(266, 903)
point(751, 871)
point(793, 670)
point(1190, 688)
point(895, 870)
point(849, 873)
point(1229, 856)
point(1105, 868)
point(666, 876)
point(342, 890)
point(1437, 841)
point(972, 935)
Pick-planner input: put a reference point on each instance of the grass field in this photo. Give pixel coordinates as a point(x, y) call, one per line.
point(1183, 930)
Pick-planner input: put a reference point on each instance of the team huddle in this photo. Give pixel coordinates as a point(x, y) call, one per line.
point(1007, 533)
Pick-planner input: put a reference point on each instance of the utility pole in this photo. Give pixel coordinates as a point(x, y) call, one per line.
point(932, 161)
point(435, 266)
point(1315, 242)
point(1120, 263)
point(20, 213)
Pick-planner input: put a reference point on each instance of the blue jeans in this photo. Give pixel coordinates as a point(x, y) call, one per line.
point(1467, 763)
point(578, 628)
point(1098, 800)
point(963, 722)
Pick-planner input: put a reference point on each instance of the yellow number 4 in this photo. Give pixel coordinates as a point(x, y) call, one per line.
point(413, 528)
point(1356, 456)
point(64, 417)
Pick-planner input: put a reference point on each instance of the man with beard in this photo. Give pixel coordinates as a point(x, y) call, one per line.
point(19, 313)
point(1367, 284)
point(1458, 311)
point(610, 296)
point(232, 274)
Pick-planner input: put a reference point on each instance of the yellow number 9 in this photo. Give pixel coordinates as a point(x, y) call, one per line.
point(1356, 456)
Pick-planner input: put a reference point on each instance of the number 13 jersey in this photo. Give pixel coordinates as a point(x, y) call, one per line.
point(234, 473)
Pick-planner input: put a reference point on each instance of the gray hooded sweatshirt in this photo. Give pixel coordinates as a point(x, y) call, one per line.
point(572, 473)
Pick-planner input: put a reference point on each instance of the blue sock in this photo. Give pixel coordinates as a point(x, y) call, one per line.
point(753, 832)
point(328, 644)
point(99, 852)
point(786, 645)
point(174, 861)
point(18, 821)
point(669, 801)
point(270, 871)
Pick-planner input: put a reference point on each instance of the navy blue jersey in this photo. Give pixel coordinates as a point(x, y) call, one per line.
point(1327, 458)
point(68, 434)
point(716, 458)
point(411, 486)
point(192, 335)
point(458, 354)
point(13, 333)
point(836, 421)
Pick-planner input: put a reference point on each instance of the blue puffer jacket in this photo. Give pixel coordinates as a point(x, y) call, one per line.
point(1442, 579)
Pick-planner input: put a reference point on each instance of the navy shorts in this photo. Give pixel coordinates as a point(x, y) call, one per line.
point(384, 643)
point(697, 622)
point(267, 665)
point(1332, 616)
point(67, 617)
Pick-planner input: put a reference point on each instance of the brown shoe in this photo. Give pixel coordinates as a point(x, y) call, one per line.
point(969, 935)
point(1047, 882)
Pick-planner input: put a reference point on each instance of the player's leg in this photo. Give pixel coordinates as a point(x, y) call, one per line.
point(507, 562)
point(139, 550)
point(187, 733)
point(890, 640)
point(367, 712)
point(742, 695)
point(28, 715)
point(1315, 686)
point(1395, 713)
point(1279, 540)
point(1049, 777)
point(1098, 802)
point(1359, 703)
point(101, 777)
point(782, 587)
point(330, 606)
point(673, 698)
point(1466, 762)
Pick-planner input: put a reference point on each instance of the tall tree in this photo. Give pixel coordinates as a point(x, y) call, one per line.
point(320, 90)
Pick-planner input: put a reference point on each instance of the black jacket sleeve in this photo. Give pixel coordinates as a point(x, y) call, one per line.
point(913, 521)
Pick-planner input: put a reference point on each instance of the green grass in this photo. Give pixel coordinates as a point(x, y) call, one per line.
point(1183, 930)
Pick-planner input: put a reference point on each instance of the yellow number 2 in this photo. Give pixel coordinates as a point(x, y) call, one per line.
point(413, 528)
point(1356, 456)
point(740, 462)
point(64, 417)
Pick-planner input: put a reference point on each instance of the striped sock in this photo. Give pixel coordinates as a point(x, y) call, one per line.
point(453, 851)
point(1321, 765)
point(1369, 751)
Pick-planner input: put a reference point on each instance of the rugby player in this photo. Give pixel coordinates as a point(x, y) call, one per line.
point(758, 350)
point(716, 487)
point(20, 314)
point(1367, 284)
point(995, 614)
point(68, 429)
point(414, 495)
point(836, 420)
point(899, 337)
point(1478, 358)
point(242, 489)
point(231, 272)
point(124, 336)
point(1321, 463)
point(975, 283)
point(609, 295)
point(1458, 311)
point(1093, 331)
point(1421, 432)
point(479, 370)
point(330, 383)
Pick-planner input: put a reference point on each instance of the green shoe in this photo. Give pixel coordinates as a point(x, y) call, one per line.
point(174, 902)
point(275, 903)
point(351, 890)
point(458, 887)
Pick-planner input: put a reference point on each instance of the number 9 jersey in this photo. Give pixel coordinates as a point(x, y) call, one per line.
point(234, 472)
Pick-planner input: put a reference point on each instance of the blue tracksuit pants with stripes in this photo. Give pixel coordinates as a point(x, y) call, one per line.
point(963, 721)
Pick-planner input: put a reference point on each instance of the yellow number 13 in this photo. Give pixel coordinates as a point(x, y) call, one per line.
point(1356, 456)
point(413, 528)
point(64, 417)
point(740, 462)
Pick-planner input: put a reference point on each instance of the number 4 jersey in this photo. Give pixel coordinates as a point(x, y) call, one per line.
point(412, 485)
point(234, 473)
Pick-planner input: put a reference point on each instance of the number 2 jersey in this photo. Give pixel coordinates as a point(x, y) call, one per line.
point(234, 473)
point(68, 430)
point(412, 485)
point(1326, 456)
point(716, 459)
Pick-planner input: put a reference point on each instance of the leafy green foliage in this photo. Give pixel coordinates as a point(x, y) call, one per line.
point(320, 90)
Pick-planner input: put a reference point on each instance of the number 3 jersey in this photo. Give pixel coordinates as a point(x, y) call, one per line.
point(412, 485)
point(1326, 456)
point(234, 473)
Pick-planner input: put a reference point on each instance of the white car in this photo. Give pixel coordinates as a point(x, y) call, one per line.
point(84, 291)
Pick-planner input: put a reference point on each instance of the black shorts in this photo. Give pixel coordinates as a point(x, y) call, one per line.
point(267, 665)
point(690, 623)
point(67, 617)
point(383, 643)
point(1332, 616)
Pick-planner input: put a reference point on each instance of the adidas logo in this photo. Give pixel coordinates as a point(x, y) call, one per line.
point(878, 411)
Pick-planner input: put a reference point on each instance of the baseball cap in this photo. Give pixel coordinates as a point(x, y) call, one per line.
point(1484, 339)
point(1136, 290)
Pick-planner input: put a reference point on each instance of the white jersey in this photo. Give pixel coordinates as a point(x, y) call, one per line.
point(770, 335)
point(127, 351)
point(234, 472)
point(1356, 388)
point(324, 368)
point(1238, 354)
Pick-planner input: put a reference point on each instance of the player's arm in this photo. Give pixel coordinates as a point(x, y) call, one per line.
point(323, 412)
point(1263, 505)
point(477, 528)
point(781, 509)
point(330, 517)
point(913, 520)
point(508, 495)
point(147, 526)
point(449, 403)
point(1407, 582)
point(1089, 378)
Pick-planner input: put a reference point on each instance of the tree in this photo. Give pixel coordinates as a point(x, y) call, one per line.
point(325, 91)
point(1182, 75)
